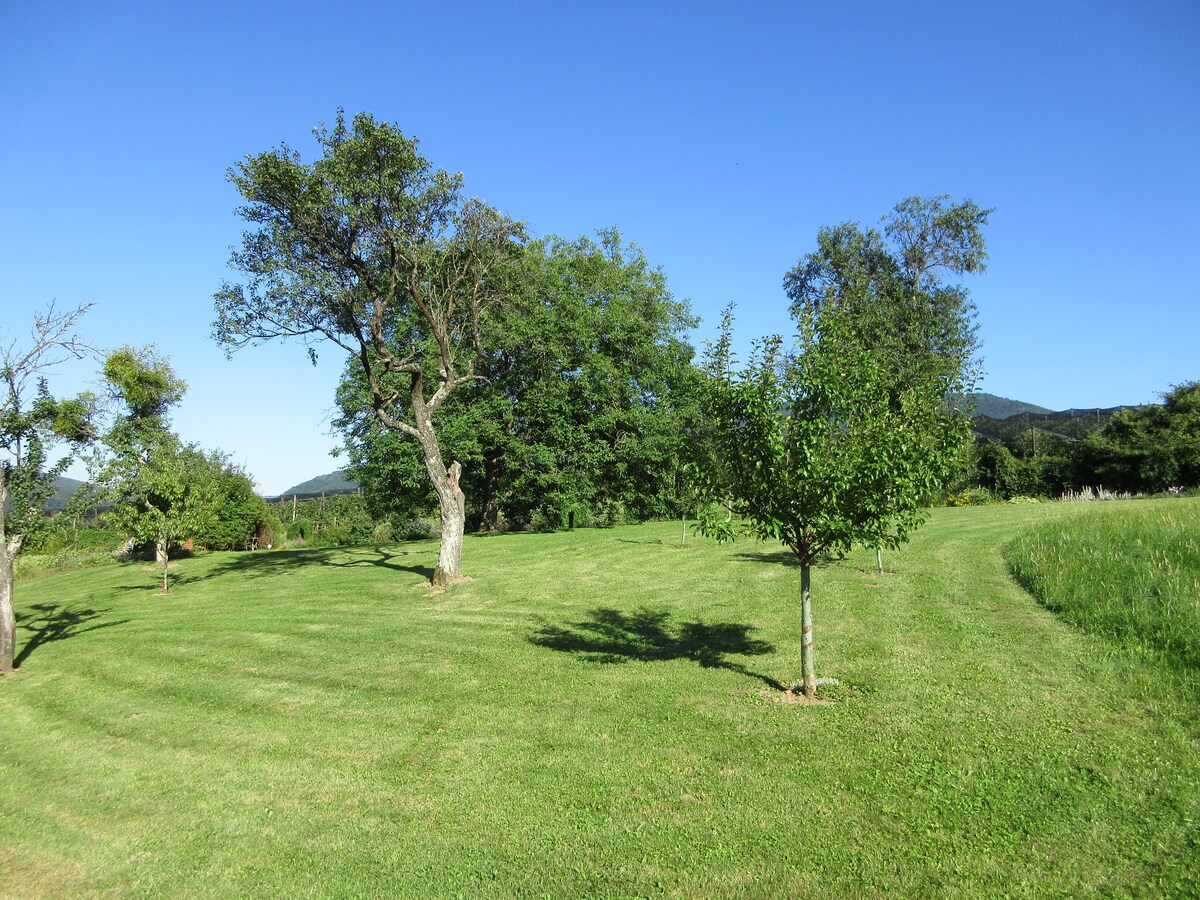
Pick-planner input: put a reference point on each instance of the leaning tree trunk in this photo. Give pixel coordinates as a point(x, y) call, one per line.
point(452, 503)
point(806, 641)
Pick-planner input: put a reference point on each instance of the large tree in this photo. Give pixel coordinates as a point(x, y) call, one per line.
point(31, 421)
point(373, 250)
point(894, 282)
point(586, 371)
point(842, 438)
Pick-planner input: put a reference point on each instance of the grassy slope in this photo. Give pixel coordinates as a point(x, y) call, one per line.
point(317, 722)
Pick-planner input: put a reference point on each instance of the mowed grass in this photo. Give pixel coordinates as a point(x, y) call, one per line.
point(1130, 571)
point(592, 715)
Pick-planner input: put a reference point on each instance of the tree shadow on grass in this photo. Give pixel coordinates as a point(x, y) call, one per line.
point(50, 622)
point(648, 635)
point(273, 563)
point(783, 557)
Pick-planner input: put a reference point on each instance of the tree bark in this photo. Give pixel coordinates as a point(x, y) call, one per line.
point(806, 641)
point(162, 556)
point(8, 621)
point(452, 505)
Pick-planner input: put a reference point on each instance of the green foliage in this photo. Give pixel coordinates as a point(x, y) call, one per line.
point(970, 497)
point(1150, 448)
point(143, 382)
point(241, 520)
point(900, 304)
point(822, 449)
point(578, 413)
point(167, 497)
point(163, 491)
point(1129, 571)
point(335, 521)
point(1145, 449)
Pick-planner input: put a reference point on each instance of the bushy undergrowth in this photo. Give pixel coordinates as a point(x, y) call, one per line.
point(30, 565)
point(1130, 571)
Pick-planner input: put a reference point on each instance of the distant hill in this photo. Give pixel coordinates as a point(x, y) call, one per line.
point(64, 489)
point(1070, 424)
point(1001, 407)
point(333, 483)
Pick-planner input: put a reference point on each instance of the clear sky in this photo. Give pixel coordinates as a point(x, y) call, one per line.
point(718, 136)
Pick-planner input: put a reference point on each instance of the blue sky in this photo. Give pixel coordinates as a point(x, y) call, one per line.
point(719, 137)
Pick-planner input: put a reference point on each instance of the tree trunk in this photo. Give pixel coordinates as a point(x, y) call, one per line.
point(452, 504)
point(879, 559)
point(806, 641)
point(8, 620)
point(489, 519)
point(162, 556)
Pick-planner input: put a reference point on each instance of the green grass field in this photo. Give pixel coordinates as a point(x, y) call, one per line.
point(593, 715)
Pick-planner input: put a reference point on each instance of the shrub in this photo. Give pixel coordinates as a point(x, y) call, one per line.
point(976, 496)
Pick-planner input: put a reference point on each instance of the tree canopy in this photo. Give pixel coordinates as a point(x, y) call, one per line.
point(577, 409)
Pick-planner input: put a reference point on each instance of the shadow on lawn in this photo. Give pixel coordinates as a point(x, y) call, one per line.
point(269, 563)
point(648, 635)
point(781, 557)
point(50, 622)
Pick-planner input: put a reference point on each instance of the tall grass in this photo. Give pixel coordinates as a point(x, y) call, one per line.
point(1130, 571)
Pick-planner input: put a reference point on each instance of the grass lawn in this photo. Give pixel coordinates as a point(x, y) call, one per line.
point(594, 714)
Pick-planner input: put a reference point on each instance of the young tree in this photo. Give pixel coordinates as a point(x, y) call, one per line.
point(161, 489)
point(373, 250)
point(166, 497)
point(843, 439)
point(31, 420)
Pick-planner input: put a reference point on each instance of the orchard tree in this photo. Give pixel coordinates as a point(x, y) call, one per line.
point(167, 497)
point(31, 422)
point(162, 490)
point(373, 250)
point(821, 449)
point(843, 438)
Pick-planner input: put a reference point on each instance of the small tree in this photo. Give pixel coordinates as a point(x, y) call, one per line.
point(375, 251)
point(162, 490)
point(821, 448)
point(31, 420)
point(167, 497)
